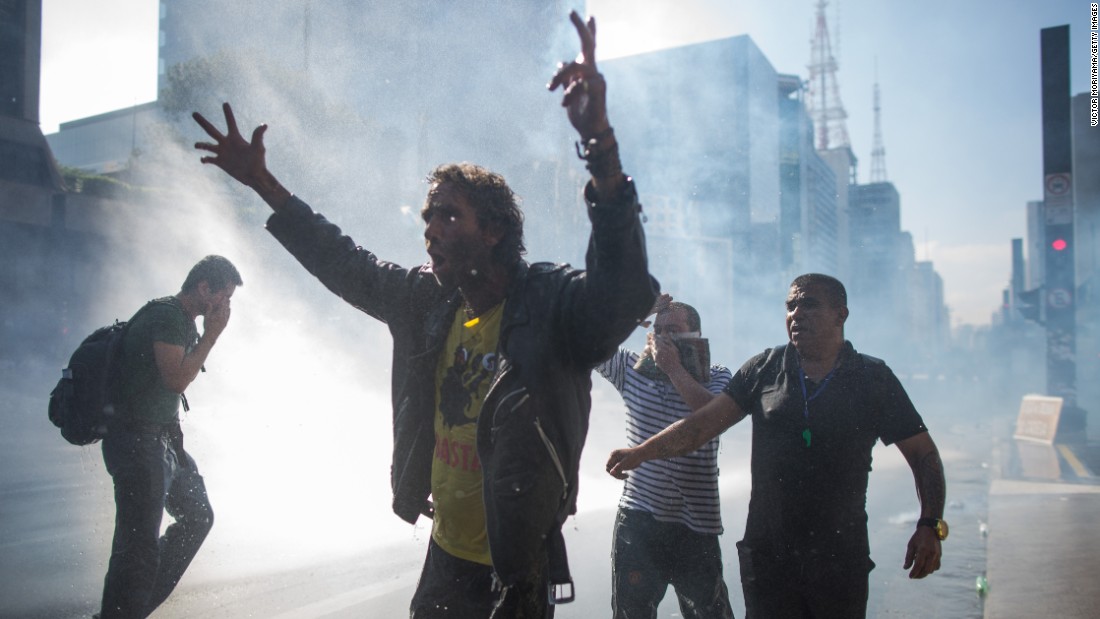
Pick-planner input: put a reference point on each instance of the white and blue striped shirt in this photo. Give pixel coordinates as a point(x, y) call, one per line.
point(682, 489)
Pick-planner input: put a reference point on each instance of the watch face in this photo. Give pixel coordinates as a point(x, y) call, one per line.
point(941, 529)
point(937, 525)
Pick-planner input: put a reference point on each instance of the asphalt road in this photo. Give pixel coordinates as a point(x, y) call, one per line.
point(303, 526)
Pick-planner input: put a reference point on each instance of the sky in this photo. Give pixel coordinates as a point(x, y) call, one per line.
point(959, 83)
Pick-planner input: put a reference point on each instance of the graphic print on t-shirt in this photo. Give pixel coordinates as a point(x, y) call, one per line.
point(470, 372)
point(466, 368)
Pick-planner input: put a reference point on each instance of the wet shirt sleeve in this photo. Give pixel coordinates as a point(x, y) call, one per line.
point(614, 369)
point(899, 418)
point(744, 387)
point(168, 324)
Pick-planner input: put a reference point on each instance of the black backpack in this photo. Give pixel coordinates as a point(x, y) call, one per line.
point(83, 400)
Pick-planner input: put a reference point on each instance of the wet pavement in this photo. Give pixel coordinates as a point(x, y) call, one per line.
point(1021, 512)
point(1043, 551)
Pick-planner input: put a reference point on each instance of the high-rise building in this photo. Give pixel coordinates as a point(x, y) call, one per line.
point(1034, 251)
point(32, 205)
point(899, 300)
point(830, 123)
point(20, 54)
point(877, 281)
point(702, 134)
point(106, 143)
point(874, 214)
point(842, 162)
point(25, 159)
point(1086, 196)
point(930, 322)
point(808, 212)
point(1086, 209)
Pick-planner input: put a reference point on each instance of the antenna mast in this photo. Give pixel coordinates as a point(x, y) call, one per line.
point(878, 151)
point(823, 94)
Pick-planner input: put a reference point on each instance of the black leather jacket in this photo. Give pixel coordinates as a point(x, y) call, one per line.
point(558, 323)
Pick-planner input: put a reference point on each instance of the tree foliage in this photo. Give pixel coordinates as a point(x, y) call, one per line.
point(80, 181)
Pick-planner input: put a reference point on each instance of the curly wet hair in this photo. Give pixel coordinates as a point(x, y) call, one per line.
point(493, 200)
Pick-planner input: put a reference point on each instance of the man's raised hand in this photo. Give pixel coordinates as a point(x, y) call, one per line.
point(584, 88)
point(244, 161)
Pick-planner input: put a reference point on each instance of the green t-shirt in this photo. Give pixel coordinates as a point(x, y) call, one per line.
point(142, 395)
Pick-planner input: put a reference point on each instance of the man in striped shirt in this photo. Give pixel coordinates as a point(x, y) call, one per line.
point(668, 523)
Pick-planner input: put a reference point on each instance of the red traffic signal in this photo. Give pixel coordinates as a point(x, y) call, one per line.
point(1059, 244)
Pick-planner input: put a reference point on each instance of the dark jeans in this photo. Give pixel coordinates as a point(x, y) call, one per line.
point(151, 474)
point(649, 555)
point(793, 587)
point(454, 588)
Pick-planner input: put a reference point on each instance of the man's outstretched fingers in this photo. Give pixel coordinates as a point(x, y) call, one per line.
point(587, 34)
point(230, 120)
point(258, 136)
point(210, 129)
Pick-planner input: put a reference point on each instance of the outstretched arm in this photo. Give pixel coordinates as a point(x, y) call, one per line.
point(585, 101)
point(682, 437)
point(606, 301)
point(924, 550)
point(243, 160)
point(377, 287)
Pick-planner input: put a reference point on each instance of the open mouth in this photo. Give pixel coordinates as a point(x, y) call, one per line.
point(437, 260)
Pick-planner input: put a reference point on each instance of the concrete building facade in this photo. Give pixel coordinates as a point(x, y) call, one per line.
point(808, 222)
point(703, 138)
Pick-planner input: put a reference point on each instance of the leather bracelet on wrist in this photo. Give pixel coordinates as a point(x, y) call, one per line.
point(607, 165)
point(601, 140)
point(601, 153)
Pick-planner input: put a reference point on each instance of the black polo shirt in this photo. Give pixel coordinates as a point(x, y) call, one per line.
point(810, 500)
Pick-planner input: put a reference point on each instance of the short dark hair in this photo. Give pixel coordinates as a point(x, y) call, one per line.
point(216, 271)
point(493, 200)
point(694, 324)
point(834, 290)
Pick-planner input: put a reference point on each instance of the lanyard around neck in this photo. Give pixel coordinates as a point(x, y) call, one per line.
point(807, 398)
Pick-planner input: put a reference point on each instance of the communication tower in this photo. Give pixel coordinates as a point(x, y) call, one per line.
point(823, 93)
point(878, 151)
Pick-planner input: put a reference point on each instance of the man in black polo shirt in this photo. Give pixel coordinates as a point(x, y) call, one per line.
point(817, 408)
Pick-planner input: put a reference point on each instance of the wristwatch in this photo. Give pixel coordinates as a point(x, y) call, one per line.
point(938, 525)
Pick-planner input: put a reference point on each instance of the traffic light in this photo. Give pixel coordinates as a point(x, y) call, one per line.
point(1059, 256)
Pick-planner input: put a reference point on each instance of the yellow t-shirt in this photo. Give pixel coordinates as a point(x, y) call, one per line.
point(466, 367)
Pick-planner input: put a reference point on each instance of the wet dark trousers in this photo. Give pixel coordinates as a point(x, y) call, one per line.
point(152, 474)
point(454, 588)
point(791, 588)
point(649, 555)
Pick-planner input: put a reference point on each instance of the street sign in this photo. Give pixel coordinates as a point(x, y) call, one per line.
point(1038, 419)
point(1059, 298)
point(1059, 213)
point(1058, 184)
